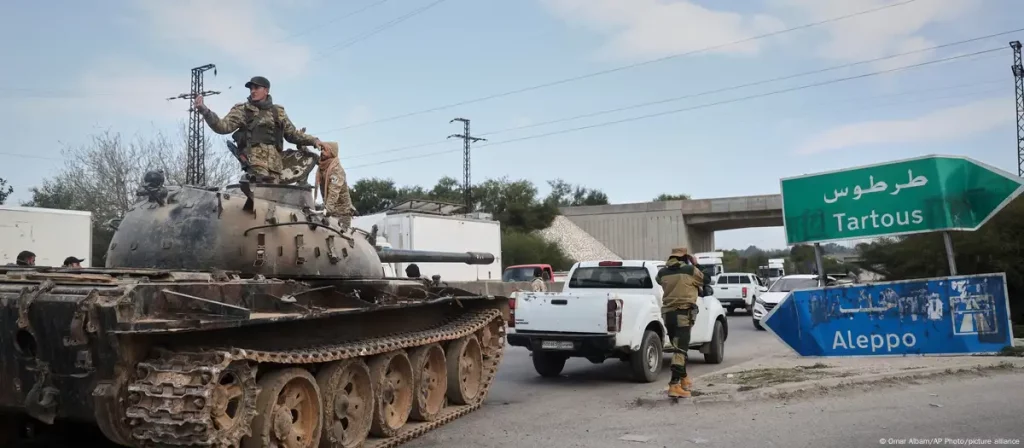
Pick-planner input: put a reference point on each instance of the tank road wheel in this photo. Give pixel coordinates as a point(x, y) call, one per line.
point(393, 384)
point(348, 403)
point(289, 411)
point(430, 370)
point(492, 338)
point(465, 370)
point(233, 402)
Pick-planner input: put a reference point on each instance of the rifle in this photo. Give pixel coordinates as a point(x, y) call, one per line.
point(239, 155)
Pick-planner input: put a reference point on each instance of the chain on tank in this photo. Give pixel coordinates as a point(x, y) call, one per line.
point(173, 399)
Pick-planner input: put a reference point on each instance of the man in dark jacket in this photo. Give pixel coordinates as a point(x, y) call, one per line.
point(682, 282)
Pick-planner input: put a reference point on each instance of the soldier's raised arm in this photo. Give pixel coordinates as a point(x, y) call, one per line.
point(230, 123)
point(292, 134)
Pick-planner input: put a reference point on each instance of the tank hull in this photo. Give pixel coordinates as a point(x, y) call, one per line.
point(135, 351)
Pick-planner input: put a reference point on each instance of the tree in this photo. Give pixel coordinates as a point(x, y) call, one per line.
point(672, 197)
point(5, 190)
point(995, 247)
point(564, 194)
point(102, 177)
point(529, 248)
point(374, 195)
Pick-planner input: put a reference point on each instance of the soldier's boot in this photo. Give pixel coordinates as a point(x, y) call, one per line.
point(687, 384)
point(676, 390)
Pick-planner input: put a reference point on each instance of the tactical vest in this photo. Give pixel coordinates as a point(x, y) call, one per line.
point(250, 134)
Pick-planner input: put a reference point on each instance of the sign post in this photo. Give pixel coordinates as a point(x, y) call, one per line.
point(925, 194)
point(941, 316)
point(950, 255)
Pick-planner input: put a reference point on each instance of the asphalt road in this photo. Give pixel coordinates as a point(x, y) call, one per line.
point(522, 401)
point(981, 408)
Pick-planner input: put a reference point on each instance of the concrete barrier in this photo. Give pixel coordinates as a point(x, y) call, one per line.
point(501, 289)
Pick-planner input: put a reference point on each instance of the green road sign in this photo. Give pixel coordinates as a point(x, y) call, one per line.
point(924, 194)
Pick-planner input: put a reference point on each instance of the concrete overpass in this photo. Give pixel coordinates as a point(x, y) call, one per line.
point(649, 230)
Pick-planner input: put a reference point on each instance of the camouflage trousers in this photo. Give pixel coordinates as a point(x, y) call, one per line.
point(337, 200)
point(678, 324)
point(265, 161)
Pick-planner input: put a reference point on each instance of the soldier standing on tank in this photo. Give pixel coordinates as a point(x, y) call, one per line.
point(260, 128)
point(682, 282)
point(333, 186)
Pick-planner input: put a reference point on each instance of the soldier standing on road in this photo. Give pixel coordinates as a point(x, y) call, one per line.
point(260, 128)
point(538, 284)
point(333, 186)
point(682, 282)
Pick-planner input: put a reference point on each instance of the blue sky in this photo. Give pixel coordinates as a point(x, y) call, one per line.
point(110, 65)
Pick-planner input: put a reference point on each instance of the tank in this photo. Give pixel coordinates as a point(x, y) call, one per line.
point(242, 316)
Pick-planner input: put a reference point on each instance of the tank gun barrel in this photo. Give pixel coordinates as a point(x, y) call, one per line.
point(426, 256)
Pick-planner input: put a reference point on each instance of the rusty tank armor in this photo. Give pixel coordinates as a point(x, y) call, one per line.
point(242, 316)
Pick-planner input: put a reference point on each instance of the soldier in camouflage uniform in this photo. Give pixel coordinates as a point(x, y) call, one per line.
point(682, 282)
point(260, 128)
point(332, 184)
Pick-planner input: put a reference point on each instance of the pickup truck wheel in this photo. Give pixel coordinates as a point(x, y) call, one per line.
point(717, 352)
point(646, 362)
point(548, 364)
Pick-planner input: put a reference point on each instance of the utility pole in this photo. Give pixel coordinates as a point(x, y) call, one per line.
point(195, 169)
point(1018, 74)
point(467, 186)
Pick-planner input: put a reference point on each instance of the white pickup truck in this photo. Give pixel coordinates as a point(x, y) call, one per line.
point(608, 309)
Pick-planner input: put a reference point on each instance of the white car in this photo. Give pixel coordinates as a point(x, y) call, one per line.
point(779, 290)
point(609, 309)
point(738, 290)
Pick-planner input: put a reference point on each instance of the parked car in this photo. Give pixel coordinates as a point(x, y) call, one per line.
point(779, 290)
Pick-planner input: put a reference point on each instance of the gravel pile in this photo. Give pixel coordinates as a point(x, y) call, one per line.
point(577, 244)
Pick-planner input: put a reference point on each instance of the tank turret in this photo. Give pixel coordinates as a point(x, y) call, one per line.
point(253, 229)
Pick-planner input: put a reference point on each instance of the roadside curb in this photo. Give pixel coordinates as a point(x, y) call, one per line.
point(782, 389)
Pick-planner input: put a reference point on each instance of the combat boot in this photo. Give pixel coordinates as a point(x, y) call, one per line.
point(676, 391)
point(687, 384)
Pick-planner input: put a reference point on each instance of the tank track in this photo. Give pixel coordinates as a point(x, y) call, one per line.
point(169, 401)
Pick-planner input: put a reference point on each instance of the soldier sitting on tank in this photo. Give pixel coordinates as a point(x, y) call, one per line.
point(332, 185)
point(260, 128)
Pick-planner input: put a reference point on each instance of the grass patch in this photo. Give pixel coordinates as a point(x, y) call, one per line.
point(752, 379)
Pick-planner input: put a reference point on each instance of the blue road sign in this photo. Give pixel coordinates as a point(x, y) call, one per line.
point(940, 316)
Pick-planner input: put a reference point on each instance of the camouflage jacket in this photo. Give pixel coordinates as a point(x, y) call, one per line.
point(260, 121)
point(682, 284)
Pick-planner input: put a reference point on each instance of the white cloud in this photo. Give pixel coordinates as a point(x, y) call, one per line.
point(941, 125)
point(241, 29)
point(654, 28)
point(894, 30)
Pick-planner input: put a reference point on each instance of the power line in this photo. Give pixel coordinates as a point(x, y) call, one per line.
point(830, 102)
point(617, 69)
point(699, 94)
point(686, 109)
point(334, 20)
point(386, 25)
